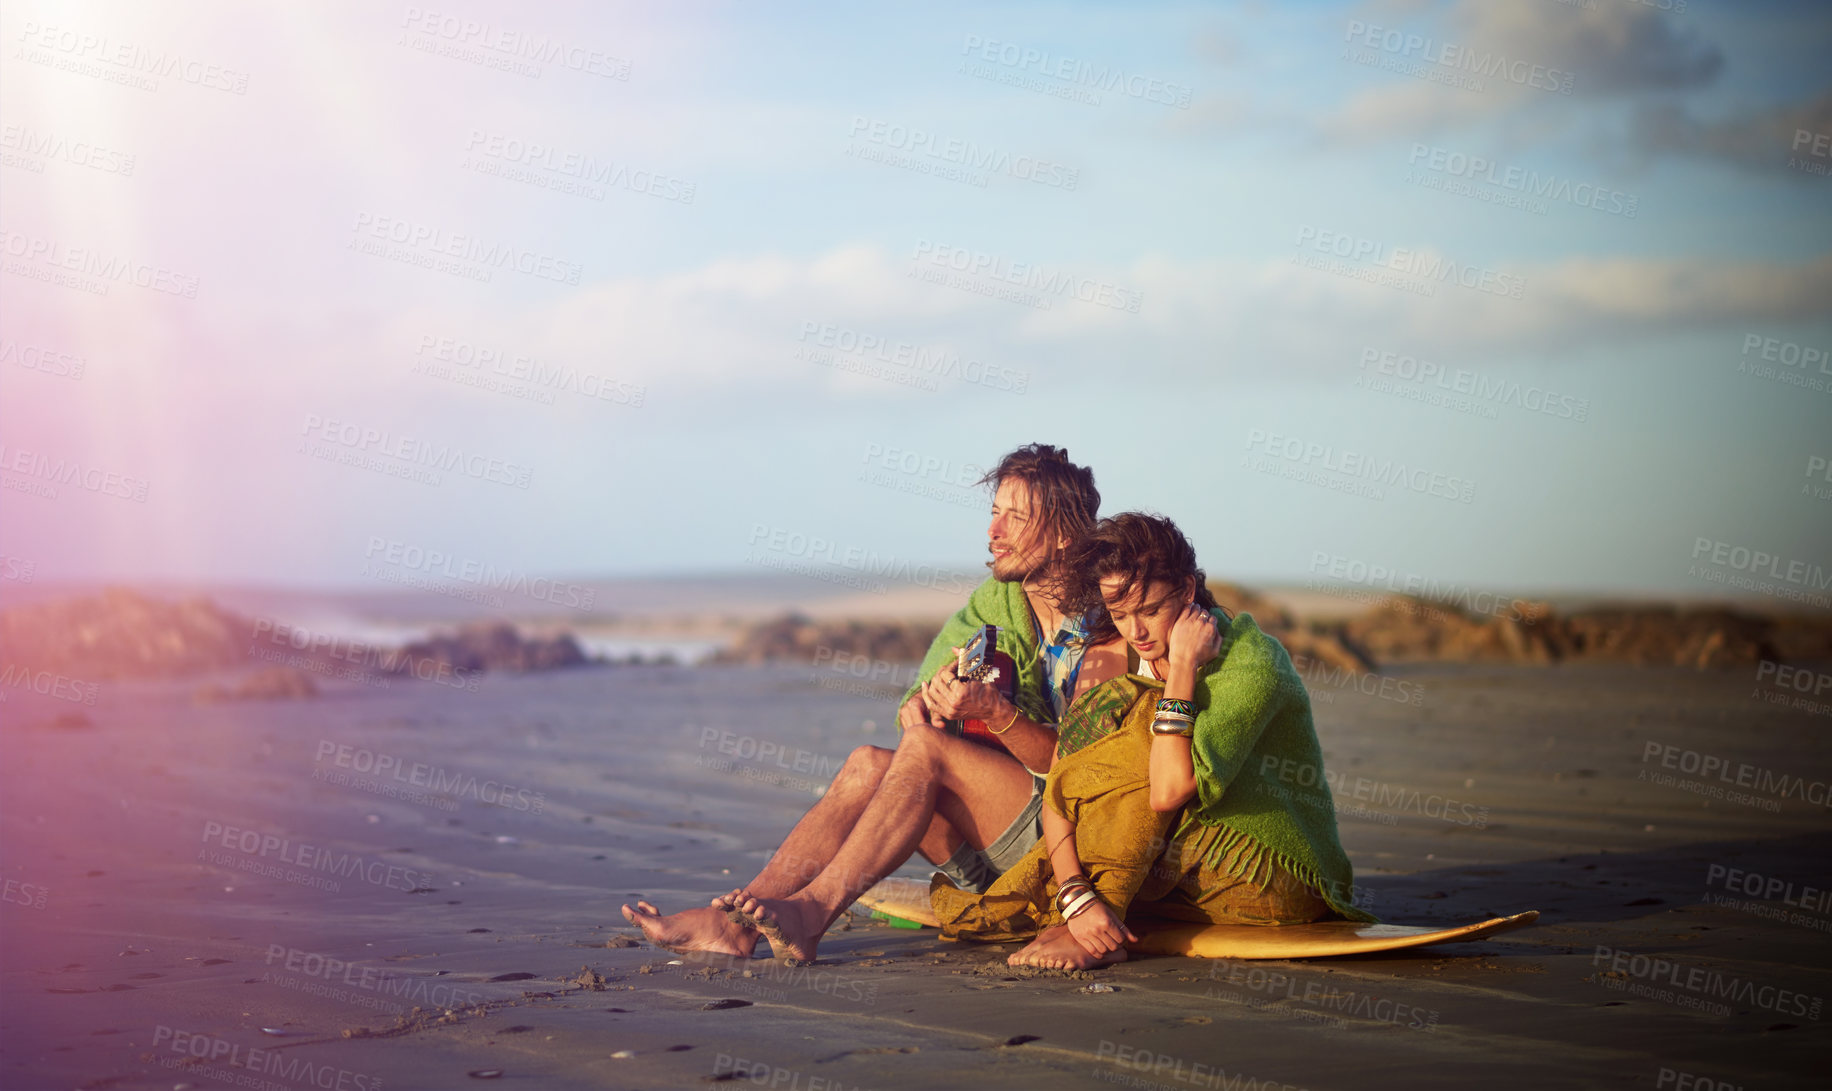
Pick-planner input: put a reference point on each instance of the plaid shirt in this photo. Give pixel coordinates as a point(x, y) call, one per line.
point(1061, 655)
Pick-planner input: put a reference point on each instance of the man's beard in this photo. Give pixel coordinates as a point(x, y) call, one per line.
point(1014, 567)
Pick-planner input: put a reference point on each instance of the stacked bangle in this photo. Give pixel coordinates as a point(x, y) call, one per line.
point(1075, 896)
point(1174, 718)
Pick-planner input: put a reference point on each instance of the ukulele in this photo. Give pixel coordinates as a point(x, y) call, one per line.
point(982, 661)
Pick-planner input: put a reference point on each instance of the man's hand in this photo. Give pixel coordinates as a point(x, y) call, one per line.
point(1099, 930)
point(951, 698)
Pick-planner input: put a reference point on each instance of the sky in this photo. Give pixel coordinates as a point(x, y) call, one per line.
point(1513, 293)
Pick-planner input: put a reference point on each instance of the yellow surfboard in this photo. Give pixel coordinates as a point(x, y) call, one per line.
point(906, 902)
point(901, 900)
point(1322, 939)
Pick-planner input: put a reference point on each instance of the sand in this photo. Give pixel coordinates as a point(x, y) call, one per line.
point(134, 938)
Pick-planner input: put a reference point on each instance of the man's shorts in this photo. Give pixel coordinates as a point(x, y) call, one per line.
point(974, 869)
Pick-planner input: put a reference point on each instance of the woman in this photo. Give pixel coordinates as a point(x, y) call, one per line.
point(1167, 799)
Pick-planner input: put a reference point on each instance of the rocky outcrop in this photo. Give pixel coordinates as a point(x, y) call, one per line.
point(490, 646)
point(1398, 629)
point(123, 634)
point(1402, 629)
point(1310, 644)
point(798, 637)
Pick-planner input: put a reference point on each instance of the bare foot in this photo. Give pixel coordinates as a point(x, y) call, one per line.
point(792, 925)
point(693, 930)
point(1056, 949)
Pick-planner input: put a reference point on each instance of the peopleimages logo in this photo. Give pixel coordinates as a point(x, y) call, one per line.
point(1703, 984)
point(1474, 385)
point(1048, 283)
point(816, 554)
point(956, 152)
point(436, 563)
point(1389, 580)
point(39, 467)
point(1460, 58)
point(1074, 72)
point(103, 268)
point(1411, 262)
point(413, 451)
point(33, 146)
point(254, 847)
point(431, 242)
point(1740, 566)
point(221, 1059)
point(516, 50)
point(326, 975)
point(935, 361)
point(126, 62)
point(1725, 772)
point(67, 365)
point(1476, 168)
point(572, 171)
point(1355, 465)
point(435, 779)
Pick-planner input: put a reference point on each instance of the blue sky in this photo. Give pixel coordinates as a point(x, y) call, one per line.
point(1292, 225)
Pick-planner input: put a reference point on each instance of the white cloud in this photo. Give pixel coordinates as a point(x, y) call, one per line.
point(1608, 51)
point(740, 321)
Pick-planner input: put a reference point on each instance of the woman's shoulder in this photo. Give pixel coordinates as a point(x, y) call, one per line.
point(1243, 638)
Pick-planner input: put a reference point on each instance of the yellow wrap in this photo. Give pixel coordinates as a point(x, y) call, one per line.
point(1209, 873)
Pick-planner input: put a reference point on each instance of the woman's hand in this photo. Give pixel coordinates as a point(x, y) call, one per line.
point(1194, 639)
point(1099, 930)
point(914, 712)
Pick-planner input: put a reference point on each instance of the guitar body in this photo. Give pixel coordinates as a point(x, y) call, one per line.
point(1007, 684)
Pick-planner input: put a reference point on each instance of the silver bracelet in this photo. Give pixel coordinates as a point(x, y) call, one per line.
point(1173, 727)
point(1080, 904)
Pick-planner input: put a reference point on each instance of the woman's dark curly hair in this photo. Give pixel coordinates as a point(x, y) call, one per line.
point(1142, 550)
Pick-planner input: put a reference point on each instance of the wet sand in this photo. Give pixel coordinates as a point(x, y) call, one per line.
point(180, 877)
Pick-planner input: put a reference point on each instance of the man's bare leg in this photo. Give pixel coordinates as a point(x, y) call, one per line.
point(810, 846)
point(980, 791)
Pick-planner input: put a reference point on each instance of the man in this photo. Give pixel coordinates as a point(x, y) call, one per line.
point(968, 808)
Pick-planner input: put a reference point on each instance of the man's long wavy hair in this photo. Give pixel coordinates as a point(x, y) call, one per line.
point(1141, 550)
point(1064, 501)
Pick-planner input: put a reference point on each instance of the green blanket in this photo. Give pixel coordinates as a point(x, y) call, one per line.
point(1001, 603)
point(1259, 766)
